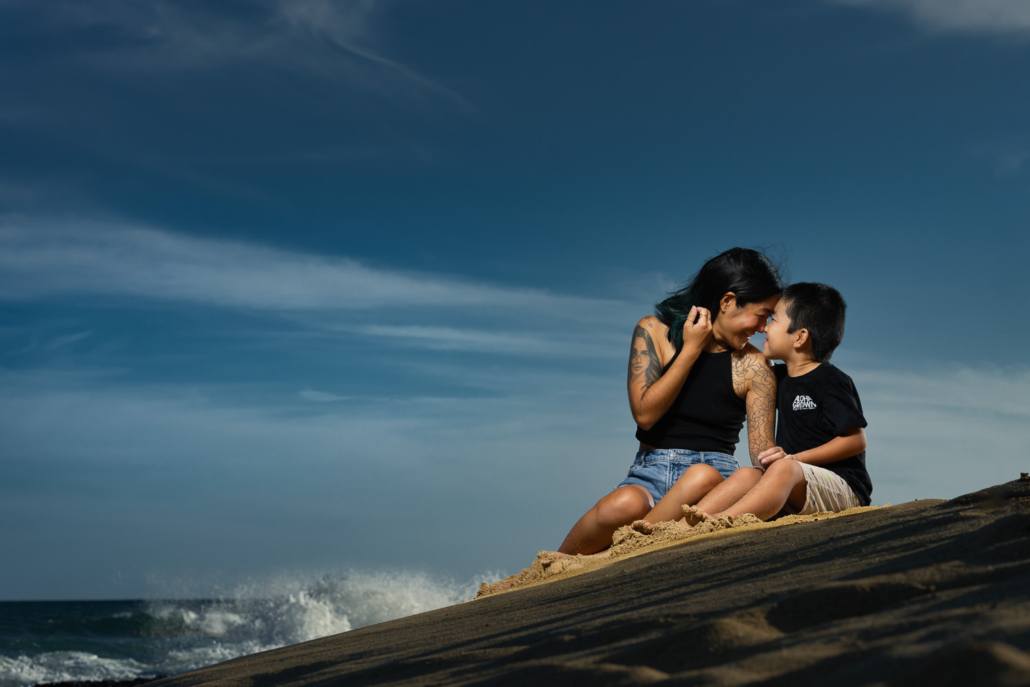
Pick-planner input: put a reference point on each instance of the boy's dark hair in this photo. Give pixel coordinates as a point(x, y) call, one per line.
point(748, 274)
point(819, 309)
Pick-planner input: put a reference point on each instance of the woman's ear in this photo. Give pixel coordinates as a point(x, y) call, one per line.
point(728, 302)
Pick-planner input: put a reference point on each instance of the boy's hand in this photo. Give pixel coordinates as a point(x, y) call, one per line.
point(697, 328)
point(773, 454)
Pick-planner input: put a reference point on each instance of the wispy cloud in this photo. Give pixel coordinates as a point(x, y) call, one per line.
point(44, 260)
point(99, 464)
point(980, 16)
point(492, 341)
point(946, 431)
point(956, 390)
point(345, 27)
point(333, 40)
point(1008, 156)
point(67, 340)
point(316, 396)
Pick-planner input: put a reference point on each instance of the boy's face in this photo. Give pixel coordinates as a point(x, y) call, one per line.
point(778, 343)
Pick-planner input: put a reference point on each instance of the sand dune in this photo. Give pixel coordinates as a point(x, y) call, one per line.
point(928, 592)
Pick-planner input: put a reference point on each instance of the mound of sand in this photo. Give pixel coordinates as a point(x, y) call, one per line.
point(642, 537)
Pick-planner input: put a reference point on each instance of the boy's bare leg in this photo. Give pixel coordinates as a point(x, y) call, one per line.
point(782, 483)
point(692, 485)
point(593, 531)
point(729, 492)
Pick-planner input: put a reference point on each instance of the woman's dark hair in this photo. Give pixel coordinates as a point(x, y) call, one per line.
point(746, 273)
point(820, 309)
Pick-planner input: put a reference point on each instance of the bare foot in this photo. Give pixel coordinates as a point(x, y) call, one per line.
point(548, 564)
point(625, 533)
point(643, 526)
point(488, 588)
point(693, 516)
point(553, 559)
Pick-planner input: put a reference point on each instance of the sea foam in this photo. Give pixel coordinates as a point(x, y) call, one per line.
point(60, 666)
point(182, 635)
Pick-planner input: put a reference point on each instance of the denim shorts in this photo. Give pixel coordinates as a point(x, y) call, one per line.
point(658, 469)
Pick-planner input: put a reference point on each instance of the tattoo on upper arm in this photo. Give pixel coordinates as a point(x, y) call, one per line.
point(643, 358)
point(754, 379)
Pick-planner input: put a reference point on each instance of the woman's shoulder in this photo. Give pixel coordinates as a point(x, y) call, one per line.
point(750, 366)
point(650, 327)
point(654, 327)
point(751, 354)
point(652, 324)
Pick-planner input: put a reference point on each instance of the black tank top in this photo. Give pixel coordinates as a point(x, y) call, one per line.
point(706, 415)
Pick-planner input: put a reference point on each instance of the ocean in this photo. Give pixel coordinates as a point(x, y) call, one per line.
point(52, 641)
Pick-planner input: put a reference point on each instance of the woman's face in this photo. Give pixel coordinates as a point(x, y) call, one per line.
point(735, 324)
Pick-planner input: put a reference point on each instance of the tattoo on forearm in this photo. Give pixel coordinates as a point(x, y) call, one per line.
point(643, 358)
point(753, 379)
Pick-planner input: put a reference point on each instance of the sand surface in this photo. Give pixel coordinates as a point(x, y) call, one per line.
point(928, 592)
point(550, 566)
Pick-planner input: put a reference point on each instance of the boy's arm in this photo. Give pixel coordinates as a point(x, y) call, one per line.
point(834, 450)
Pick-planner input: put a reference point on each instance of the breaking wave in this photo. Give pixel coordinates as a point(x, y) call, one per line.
point(125, 640)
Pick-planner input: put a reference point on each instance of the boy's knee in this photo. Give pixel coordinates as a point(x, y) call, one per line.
point(786, 468)
point(747, 475)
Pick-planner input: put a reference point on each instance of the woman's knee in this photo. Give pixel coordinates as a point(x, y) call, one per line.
point(622, 506)
point(701, 473)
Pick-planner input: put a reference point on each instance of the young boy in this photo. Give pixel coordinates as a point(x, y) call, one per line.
point(819, 461)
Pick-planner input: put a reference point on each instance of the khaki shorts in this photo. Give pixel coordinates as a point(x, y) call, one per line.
point(826, 491)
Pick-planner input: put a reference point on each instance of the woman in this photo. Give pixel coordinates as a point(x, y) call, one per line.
point(693, 377)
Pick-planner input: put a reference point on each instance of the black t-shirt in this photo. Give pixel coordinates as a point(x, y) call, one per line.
point(813, 409)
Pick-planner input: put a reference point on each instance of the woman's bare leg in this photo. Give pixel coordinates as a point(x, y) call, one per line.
point(593, 532)
point(782, 483)
point(693, 484)
point(730, 491)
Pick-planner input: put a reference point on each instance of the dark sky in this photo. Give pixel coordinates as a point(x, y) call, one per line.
point(316, 285)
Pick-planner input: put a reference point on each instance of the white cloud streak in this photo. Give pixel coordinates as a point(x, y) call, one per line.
point(66, 340)
point(975, 16)
point(165, 35)
point(345, 26)
point(45, 260)
point(491, 341)
point(106, 463)
point(1008, 156)
point(316, 396)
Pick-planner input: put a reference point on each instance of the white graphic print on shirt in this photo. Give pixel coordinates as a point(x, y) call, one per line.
point(803, 402)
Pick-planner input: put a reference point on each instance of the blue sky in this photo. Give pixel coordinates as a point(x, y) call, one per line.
point(306, 286)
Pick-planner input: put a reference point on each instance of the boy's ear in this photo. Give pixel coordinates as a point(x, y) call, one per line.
point(800, 338)
point(728, 302)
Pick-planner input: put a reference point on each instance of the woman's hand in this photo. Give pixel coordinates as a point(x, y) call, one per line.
point(697, 329)
point(773, 454)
